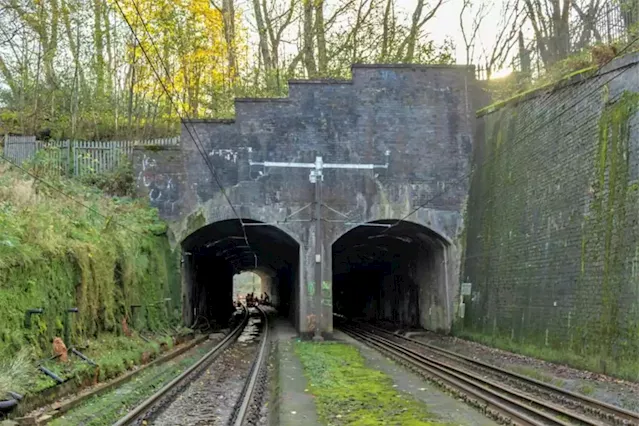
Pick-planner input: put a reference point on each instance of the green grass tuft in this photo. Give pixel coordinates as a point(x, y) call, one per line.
point(627, 370)
point(538, 375)
point(586, 389)
point(16, 371)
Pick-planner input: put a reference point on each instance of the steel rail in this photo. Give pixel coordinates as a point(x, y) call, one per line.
point(517, 405)
point(250, 383)
point(596, 406)
point(140, 410)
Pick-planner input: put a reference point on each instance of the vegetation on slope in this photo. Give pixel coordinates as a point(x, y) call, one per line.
point(57, 254)
point(584, 62)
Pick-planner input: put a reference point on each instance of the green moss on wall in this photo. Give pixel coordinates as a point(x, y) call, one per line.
point(195, 221)
point(544, 85)
point(605, 240)
point(552, 235)
point(56, 254)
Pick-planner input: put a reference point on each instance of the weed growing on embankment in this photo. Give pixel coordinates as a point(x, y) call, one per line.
point(347, 392)
point(15, 370)
point(56, 254)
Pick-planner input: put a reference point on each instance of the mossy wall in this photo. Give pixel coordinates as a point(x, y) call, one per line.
point(552, 237)
point(56, 254)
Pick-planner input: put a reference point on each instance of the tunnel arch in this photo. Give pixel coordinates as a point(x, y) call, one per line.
point(394, 271)
point(388, 222)
point(216, 252)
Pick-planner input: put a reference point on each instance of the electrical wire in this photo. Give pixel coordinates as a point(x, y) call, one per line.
point(517, 142)
point(199, 146)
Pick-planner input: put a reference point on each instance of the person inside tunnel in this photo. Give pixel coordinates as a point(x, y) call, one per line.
point(217, 252)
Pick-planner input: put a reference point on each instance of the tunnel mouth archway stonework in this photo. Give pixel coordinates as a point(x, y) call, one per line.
point(415, 122)
point(214, 253)
point(395, 271)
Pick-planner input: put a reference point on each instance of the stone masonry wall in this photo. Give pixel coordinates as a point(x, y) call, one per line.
point(422, 115)
point(552, 235)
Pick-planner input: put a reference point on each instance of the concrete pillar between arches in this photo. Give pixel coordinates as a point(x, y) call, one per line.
point(308, 288)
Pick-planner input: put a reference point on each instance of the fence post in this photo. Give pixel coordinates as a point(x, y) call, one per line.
point(67, 165)
point(75, 158)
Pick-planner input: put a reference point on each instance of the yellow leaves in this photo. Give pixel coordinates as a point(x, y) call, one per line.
point(185, 37)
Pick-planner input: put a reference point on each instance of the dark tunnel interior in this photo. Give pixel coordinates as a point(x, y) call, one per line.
point(215, 253)
point(396, 274)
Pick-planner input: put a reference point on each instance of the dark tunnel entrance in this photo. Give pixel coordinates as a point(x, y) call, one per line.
point(398, 274)
point(215, 253)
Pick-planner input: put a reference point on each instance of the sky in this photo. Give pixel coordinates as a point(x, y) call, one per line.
point(445, 25)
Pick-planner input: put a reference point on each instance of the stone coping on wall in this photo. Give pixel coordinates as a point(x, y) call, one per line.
point(261, 100)
point(569, 80)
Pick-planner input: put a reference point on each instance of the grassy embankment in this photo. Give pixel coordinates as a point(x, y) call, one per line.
point(56, 254)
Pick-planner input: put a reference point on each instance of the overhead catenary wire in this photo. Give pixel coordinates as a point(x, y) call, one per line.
point(198, 143)
point(518, 141)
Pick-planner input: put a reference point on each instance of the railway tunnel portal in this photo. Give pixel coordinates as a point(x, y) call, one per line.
point(390, 223)
point(398, 273)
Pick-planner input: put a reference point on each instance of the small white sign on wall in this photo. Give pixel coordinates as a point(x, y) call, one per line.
point(465, 289)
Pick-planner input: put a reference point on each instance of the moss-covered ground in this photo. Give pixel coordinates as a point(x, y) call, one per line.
point(107, 408)
point(349, 393)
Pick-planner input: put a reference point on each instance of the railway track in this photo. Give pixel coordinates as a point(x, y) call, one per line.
point(245, 407)
point(508, 397)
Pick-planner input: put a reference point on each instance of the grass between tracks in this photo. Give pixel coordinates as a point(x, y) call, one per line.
point(349, 393)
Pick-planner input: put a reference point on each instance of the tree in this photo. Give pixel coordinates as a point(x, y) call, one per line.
point(75, 66)
point(500, 50)
point(629, 9)
point(586, 31)
point(470, 30)
point(550, 22)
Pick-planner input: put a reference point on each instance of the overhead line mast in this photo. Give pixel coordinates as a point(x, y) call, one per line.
point(316, 177)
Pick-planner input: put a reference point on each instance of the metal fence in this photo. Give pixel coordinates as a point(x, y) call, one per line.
point(616, 21)
point(77, 157)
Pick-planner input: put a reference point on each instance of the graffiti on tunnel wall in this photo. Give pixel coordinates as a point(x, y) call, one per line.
point(326, 293)
point(160, 187)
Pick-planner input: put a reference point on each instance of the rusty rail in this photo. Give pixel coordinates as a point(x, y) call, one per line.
point(501, 402)
point(141, 412)
point(243, 410)
point(608, 412)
